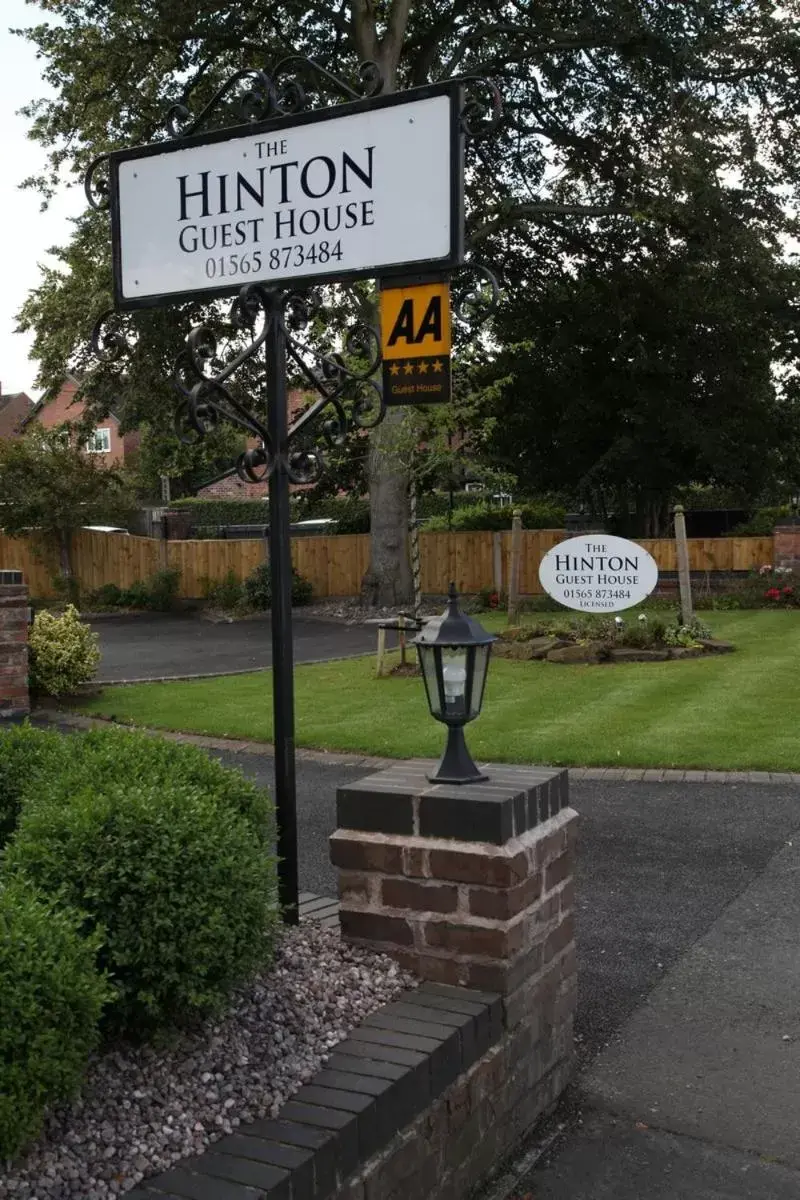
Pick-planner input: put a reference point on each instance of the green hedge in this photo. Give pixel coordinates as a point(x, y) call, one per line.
point(51, 999)
point(167, 854)
point(543, 515)
point(24, 752)
point(351, 512)
point(762, 523)
point(223, 512)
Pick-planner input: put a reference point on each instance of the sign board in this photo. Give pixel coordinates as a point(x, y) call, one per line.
point(372, 188)
point(415, 342)
point(598, 573)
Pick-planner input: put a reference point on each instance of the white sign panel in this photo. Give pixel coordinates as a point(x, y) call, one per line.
point(325, 197)
point(598, 573)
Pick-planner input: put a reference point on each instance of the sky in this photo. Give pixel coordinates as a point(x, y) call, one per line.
point(25, 233)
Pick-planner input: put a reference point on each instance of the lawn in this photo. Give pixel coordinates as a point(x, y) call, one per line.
point(731, 711)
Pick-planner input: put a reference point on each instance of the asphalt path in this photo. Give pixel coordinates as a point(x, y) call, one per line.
point(166, 645)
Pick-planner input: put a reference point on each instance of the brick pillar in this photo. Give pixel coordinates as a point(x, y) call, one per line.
point(472, 886)
point(786, 551)
point(14, 700)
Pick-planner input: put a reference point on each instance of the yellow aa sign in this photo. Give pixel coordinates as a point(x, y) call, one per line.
point(415, 321)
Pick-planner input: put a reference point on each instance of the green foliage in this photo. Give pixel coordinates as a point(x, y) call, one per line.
point(536, 515)
point(156, 849)
point(212, 513)
point(49, 484)
point(351, 513)
point(24, 751)
point(227, 593)
point(763, 522)
point(159, 593)
point(162, 589)
point(62, 653)
point(188, 465)
point(258, 588)
point(51, 998)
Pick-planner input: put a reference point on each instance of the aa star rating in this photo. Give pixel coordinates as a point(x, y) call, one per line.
point(416, 381)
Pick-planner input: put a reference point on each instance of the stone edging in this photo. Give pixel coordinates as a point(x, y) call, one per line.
point(333, 758)
point(388, 1071)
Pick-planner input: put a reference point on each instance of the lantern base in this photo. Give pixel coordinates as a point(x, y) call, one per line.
point(457, 765)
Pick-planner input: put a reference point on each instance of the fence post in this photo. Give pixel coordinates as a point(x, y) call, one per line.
point(513, 569)
point(497, 563)
point(684, 571)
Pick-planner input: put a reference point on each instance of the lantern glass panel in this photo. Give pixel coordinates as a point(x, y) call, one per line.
point(479, 669)
point(427, 657)
point(454, 681)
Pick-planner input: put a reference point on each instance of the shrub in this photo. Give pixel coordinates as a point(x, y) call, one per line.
point(227, 593)
point(536, 515)
point(51, 998)
point(162, 590)
point(762, 523)
point(179, 894)
point(109, 595)
point(62, 653)
point(258, 588)
point(24, 751)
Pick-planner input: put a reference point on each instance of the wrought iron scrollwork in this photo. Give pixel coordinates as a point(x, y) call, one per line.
point(348, 396)
point(96, 183)
point(483, 109)
point(475, 305)
point(278, 93)
point(108, 340)
point(255, 103)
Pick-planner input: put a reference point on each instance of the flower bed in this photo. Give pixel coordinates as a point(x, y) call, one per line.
point(607, 640)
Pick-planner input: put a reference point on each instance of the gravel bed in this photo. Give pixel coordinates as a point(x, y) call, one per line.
point(143, 1109)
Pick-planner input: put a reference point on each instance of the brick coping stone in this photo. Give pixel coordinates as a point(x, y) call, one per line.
point(386, 1073)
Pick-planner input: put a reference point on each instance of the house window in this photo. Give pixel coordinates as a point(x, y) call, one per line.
point(99, 442)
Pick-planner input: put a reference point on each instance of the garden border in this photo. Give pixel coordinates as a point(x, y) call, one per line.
point(389, 1072)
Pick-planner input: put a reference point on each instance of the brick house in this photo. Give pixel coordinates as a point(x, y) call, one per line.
point(55, 408)
point(15, 409)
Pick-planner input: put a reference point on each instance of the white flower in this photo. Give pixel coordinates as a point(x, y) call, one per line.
point(618, 621)
point(642, 616)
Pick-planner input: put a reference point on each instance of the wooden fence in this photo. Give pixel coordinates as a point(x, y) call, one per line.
point(336, 565)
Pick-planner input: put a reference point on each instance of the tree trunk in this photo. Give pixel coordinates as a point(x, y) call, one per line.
point(388, 581)
point(69, 582)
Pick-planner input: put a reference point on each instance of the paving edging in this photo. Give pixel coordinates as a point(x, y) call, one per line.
point(385, 1075)
point(333, 757)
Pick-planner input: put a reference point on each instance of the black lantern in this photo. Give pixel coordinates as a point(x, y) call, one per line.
point(454, 657)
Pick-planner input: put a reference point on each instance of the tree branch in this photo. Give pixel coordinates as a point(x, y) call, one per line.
point(521, 212)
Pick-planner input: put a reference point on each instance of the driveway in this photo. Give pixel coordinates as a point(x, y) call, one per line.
point(164, 645)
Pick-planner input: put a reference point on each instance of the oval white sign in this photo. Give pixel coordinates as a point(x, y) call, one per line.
point(598, 573)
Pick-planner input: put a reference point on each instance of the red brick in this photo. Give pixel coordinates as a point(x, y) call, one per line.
point(475, 939)
point(567, 896)
point(356, 854)
point(503, 903)
point(375, 927)
point(421, 897)
point(560, 938)
point(440, 968)
point(487, 976)
point(492, 870)
point(415, 862)
point(550, 847)
point(354, 887)
point(558, 871)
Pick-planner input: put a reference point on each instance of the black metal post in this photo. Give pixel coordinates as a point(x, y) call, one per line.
point(280, 557)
